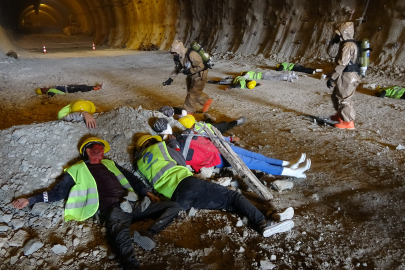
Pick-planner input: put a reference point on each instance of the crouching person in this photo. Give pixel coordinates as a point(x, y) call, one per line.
point(163, 166)
point(99, 184)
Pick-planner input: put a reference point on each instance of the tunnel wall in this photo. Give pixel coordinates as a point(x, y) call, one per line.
point(288, 29)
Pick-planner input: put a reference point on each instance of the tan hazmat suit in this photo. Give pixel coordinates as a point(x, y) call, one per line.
point(196, 81)
point(345, 82)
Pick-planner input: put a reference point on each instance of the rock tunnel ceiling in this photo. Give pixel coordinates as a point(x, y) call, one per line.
point(288, 28)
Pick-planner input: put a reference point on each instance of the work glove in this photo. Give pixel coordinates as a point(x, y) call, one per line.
point(168, 82)
point(329, 83)
point(186, 72)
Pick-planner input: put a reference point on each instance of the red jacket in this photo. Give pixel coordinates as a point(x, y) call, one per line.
point(205, 154)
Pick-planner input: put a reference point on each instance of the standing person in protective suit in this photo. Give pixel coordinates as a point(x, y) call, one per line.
point(191, 64)
point(345, 77)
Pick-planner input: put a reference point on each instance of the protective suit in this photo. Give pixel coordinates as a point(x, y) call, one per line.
point(196, 77)
point(346, 80)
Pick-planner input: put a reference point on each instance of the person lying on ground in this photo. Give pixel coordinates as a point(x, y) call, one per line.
point(96, 184)
point(297, 68)
point(188, 121)
point(200, 152)
point(65, 89)
point(77, 111)
point(163, 167)
point(180, 112)
point(247, 79)
point(396, 92)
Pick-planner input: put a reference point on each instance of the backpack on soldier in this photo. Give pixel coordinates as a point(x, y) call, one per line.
point(204, 55)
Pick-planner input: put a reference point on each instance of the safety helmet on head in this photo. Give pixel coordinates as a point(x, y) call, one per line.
point(38, 91)
point(94, 140)
point(81, 105)
point(251, 84)
point(187, 121)
point(278, 66)
point(145, 138)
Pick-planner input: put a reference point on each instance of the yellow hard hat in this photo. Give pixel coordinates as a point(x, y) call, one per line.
point(95, 139)
point(145, 138)
point(251, 84)
point(38, 91)
point(277, 65)
point(81, 105)
point(187, 121)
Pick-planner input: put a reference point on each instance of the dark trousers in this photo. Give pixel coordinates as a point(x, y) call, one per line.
point(118, 223)
point(201, 194)
point(300, 68)
point(75, 88)
point(225, 126)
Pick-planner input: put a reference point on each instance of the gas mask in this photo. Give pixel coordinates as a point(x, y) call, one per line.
point(335, 40)
point(176, 57)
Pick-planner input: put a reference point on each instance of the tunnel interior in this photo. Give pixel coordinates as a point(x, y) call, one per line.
point(298, 30)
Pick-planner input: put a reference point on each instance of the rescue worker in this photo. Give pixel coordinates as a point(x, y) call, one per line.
point(77, 111)
point(163, 167)
point(345, 77)
point(191, 64)
point(297, 68)
point(200, 152)
point(100, 184)
point(65, 89)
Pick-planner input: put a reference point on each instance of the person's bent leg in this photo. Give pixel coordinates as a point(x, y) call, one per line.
point(247, 153)
point(200, 194)
point(79, 88)
point(117, 223)
point(162, 212)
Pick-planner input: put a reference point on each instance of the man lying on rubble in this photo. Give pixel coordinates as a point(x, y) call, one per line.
point(190, 122)
point(297, 68)
point(396, 92)
point(247, 79)
point(200, 152)
point(163, 167)
point(65, 89)
point(99, 185)
point(77, 111)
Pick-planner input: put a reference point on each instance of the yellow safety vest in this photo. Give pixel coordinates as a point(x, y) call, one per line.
point(162, 172)
point(83, 197)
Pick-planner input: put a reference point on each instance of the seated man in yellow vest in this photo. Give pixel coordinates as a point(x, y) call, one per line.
point(163, 167)
point(100, 184)
point(77, 111)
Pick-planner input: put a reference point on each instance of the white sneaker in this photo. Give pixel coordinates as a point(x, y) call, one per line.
point(287, 214)
point(144, 241)
point(272, 227)
point(318, 70)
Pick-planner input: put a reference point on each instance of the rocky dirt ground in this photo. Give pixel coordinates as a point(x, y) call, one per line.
point(349, 210)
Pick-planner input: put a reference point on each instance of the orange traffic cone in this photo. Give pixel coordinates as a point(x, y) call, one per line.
point(94, 47)
point(44, 49)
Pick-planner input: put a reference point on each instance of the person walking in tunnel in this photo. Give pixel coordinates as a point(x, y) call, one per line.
point(65, 89)
point(297, 68)
point(77, 111)
point(345, 77)
point(191, 64)
point(164, 168)
point(98, 185)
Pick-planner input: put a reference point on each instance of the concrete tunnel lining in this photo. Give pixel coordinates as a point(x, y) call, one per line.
point(290, 29)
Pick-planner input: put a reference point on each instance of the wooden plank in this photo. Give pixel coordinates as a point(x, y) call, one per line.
point(248, 177)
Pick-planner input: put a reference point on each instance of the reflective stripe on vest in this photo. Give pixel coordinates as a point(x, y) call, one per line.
point(394, 92)
point(83, 197)
point(241, 80)
point(55, 91)
point(65, 111)
point(287, 66)
point(199, 127)
point(254, 75)
point(160, 170)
